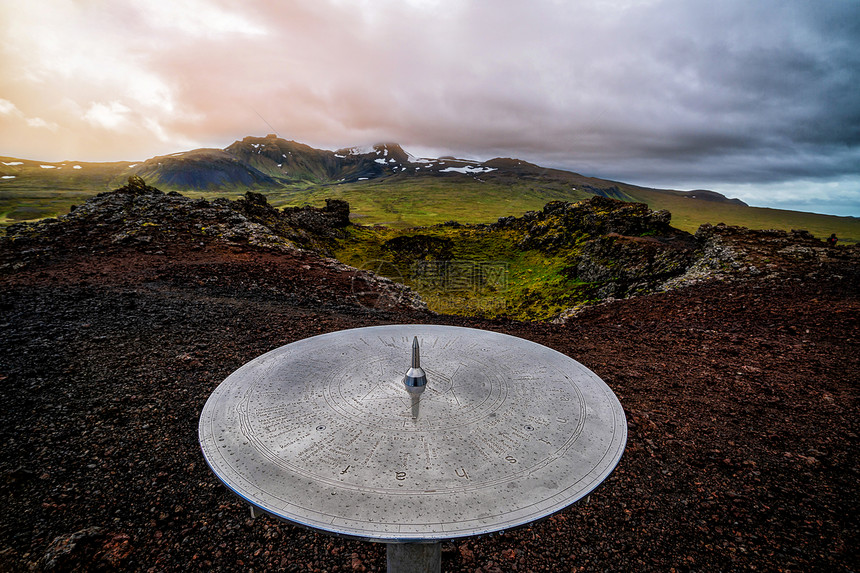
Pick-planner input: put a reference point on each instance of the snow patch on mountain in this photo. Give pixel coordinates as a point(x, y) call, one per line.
point(467, 169)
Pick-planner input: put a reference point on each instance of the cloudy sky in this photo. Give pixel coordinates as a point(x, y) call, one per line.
point(756, 99)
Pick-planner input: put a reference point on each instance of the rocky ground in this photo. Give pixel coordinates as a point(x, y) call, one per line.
point(740, 390)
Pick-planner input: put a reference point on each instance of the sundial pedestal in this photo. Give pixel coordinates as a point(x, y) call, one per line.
point(414, 557)
point(484, 432)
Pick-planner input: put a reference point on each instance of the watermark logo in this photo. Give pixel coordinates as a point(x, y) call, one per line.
point(460, 276)
point(450, 287)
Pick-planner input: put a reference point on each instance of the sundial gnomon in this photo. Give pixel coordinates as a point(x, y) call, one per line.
point(324, 433)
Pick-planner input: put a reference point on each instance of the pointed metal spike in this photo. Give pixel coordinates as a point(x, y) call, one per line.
point(415, 378)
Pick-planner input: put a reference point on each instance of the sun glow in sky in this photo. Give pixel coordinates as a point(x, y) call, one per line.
point(757, 100)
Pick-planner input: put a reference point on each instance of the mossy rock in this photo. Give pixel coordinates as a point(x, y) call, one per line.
point(420, 247)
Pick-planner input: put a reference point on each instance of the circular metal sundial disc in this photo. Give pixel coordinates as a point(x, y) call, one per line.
point(323, 432)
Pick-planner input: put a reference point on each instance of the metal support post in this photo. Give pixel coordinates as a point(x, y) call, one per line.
point(414, 557)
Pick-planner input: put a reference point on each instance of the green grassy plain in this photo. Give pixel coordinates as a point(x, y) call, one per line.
point(29, 191)
point(689, 214)
point(403, 201)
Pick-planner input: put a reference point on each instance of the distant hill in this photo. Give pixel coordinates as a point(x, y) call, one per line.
point(275, 163)
point(383, 183)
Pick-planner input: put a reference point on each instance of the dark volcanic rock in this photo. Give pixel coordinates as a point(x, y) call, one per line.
point(622, 248)
point(138, 226)
point(140, 215)
point(329, 220)
point(738, 252)
point(629, 265)
point(419, 247)
point(563, 225)
point(308, 227)
point(90, 549)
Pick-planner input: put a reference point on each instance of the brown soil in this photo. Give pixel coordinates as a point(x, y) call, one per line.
point(741, 399)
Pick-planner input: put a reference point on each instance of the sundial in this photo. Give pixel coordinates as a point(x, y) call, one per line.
point(412, 434)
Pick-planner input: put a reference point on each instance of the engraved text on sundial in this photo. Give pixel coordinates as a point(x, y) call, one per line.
point(505, 432)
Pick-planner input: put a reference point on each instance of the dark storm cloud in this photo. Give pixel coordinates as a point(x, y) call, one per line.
point(754, 96)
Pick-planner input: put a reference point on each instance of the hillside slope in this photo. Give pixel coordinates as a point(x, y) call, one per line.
point(204, 170)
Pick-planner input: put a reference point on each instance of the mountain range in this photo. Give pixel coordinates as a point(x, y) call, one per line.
point(383, 183)
point(274, 163)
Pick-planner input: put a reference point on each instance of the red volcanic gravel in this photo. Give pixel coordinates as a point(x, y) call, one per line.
point(741, 399)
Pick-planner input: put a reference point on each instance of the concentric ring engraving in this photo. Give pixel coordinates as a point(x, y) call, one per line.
point(322, 432)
